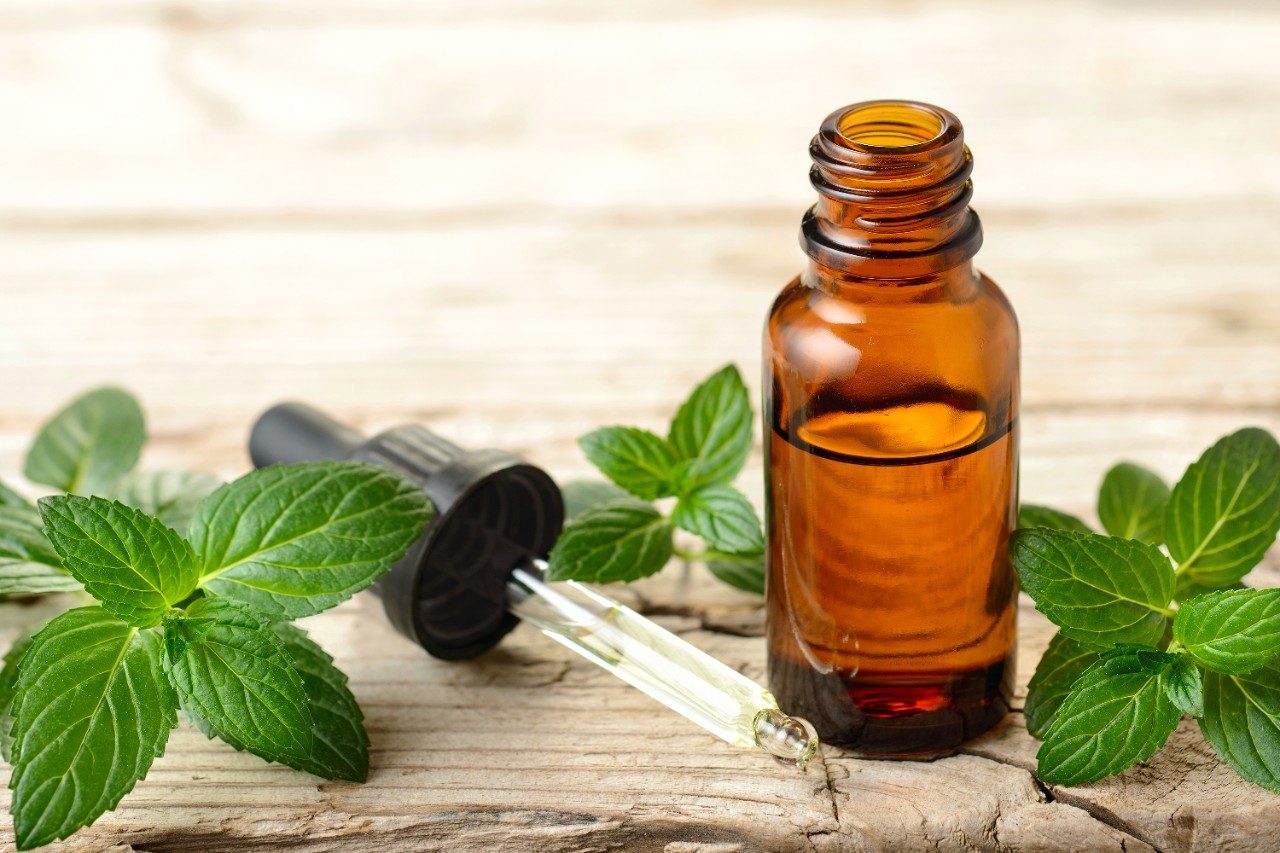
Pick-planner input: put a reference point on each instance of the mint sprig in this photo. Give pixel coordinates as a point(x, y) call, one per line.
point(197, 621)
point(1146, 637)
point(614, 532)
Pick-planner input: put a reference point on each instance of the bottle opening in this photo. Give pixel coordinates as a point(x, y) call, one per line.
point(894, 126)
point(893, 191)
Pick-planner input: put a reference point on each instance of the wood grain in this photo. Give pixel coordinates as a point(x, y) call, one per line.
point(516, 220)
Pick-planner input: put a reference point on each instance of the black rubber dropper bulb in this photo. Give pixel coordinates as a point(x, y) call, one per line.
point(478, 570)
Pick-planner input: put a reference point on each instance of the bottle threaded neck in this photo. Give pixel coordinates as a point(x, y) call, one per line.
point(893, 192)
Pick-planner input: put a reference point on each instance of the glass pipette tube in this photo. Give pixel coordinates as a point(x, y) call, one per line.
point(653, 660)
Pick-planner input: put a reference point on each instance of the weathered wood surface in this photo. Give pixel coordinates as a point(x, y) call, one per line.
point(519, 220)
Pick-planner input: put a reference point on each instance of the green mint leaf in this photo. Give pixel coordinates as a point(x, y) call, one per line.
point(1117, 715)
point(340, 746)
point(1235, 631)
point(92, 711)
point(1064, 661)
point(615, 542)
point(1032, 515)
point(129, 561)
point(1184, 686)
point(743, 571)
point(1131, 503)
point(712, 431)
point(1242, 721)
point(293, 540)
point(89, 444)
point(28, 563)
point(232, 672)
point(582, 495)
point(171, 496)
point(8, 497)
point(8, 687)
point(1097, 589)
point(635, 459)
point(1224, 513)
point(723, 517)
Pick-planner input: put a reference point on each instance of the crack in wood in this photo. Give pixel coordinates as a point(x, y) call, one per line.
point(1098, 813)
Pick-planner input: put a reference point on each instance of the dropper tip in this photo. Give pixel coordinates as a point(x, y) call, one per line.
point(791, 740)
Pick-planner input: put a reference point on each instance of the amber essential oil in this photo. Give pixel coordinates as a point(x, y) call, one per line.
point(891, 394)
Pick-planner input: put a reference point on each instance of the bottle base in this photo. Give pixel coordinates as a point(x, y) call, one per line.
point(886, 716)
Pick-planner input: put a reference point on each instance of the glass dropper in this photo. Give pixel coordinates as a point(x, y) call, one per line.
point(456, 594)
point(657, 662)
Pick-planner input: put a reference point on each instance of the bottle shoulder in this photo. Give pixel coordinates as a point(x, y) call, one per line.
point(972, 304)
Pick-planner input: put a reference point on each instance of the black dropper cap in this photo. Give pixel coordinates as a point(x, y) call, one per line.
point(493, 511)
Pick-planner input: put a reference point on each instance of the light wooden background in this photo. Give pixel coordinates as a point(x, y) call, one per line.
point(516, 220)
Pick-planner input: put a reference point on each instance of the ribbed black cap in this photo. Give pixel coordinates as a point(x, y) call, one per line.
point(493, 510)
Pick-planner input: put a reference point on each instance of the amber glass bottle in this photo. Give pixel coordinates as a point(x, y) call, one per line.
point(891, 391)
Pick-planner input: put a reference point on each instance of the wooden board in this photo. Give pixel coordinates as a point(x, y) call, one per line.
point(531, 748)
point(517, 220)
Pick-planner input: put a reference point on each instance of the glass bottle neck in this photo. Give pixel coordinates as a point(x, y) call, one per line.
point(893, 193)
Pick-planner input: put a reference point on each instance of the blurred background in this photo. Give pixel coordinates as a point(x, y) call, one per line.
point(520, 219)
